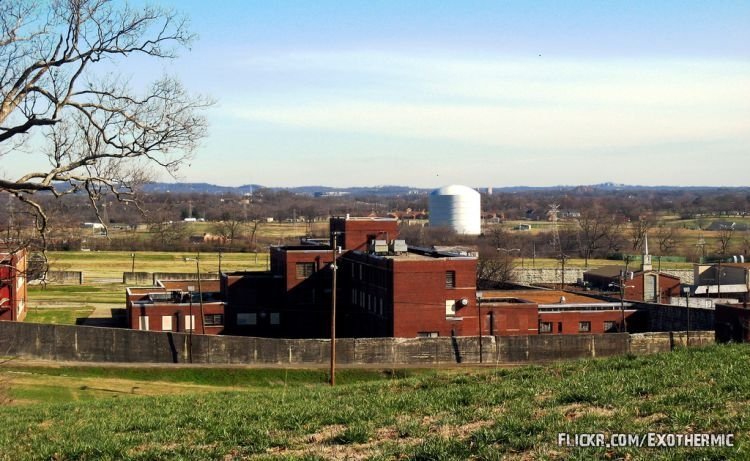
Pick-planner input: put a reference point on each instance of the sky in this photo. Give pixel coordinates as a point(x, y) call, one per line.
point(482, 93)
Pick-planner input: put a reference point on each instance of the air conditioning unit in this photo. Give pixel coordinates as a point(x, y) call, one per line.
point(399, 246)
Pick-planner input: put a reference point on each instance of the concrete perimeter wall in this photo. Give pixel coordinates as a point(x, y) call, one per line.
point(65, 277)
point(553, 275)
point(92, 344)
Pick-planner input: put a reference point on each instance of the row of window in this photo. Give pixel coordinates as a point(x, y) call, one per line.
point(372, 275)
point(367, 301)
point(167, 321)
point(583, 326)
point(245, 319)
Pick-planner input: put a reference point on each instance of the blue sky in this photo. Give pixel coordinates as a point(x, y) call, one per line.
point(494, 93)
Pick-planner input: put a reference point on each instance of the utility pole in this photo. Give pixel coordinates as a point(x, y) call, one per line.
point(132, 263)
point(197, 260)
point(479, 317)
point(686, 290)
point(333, 309)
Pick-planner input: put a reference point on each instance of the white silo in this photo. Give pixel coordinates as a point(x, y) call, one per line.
point(456, 207)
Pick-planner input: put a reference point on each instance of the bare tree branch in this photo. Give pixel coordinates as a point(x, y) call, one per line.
point(99, 135)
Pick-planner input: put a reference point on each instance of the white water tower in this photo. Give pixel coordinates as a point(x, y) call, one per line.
point(457, 207)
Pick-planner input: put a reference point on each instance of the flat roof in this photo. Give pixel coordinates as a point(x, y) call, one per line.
point(542, 296)
point(365, 218)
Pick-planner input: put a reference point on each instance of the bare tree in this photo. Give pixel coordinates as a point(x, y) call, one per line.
point(666, 237)
point(725, 234)
point(494, 269)
point(229, 229)
point(638, 230)
point(98, 135)
point(593, 228)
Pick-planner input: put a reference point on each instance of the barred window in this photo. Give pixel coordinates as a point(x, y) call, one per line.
point(213, 319)
point(450, 279)
point(584, 327)
point(545, 327)
point(305, 270)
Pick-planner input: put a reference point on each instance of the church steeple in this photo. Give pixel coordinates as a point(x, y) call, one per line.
point(646, 258)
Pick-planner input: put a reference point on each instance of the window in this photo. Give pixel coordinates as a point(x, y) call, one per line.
point(143, 322)
point(610, 326)
point(247, 319)
point(166, 323)
point(275, 318)
point(305, 270)
point(189, 322)
point(584, 327)
point(450, 279)
point(545, 327)
point(450, 308)
point(214, 319)
point(428, 334)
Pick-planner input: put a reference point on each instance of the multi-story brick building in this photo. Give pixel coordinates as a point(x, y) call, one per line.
point(417, 292)
point(13, 291)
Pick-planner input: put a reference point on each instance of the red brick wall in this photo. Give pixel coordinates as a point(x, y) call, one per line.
point(570, 320)
point(358, 231)
point(668, 286)
point(178, 312)
point(519, 320)
point(420, 294)
point(11, 268)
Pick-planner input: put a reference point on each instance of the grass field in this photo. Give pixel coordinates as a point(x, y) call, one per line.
point(466, 414)
point(58, 315)
point(98, 265)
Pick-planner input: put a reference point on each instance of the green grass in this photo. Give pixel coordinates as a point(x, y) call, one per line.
point(61, 316)
point(209, 376)
point(111, 264)
point(474, 414)
point(111, 293)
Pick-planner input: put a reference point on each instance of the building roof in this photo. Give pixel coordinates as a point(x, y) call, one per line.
point(741, 265)
point(606, 271)
point(542, 296)
point(613, 272)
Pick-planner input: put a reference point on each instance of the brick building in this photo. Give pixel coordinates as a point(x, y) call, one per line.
point(13, 291)
point(384, 289)
point(176, 306)
point(530, 312)
point(413, 293)
point(644, 284)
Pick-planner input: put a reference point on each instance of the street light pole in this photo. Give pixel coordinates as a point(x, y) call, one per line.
point(132, 263)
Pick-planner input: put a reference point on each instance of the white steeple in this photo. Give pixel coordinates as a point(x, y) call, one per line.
point(646, 258)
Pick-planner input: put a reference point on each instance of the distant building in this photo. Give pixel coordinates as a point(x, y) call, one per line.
point(645, 284)
point(728, 280)
point(13, 281)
